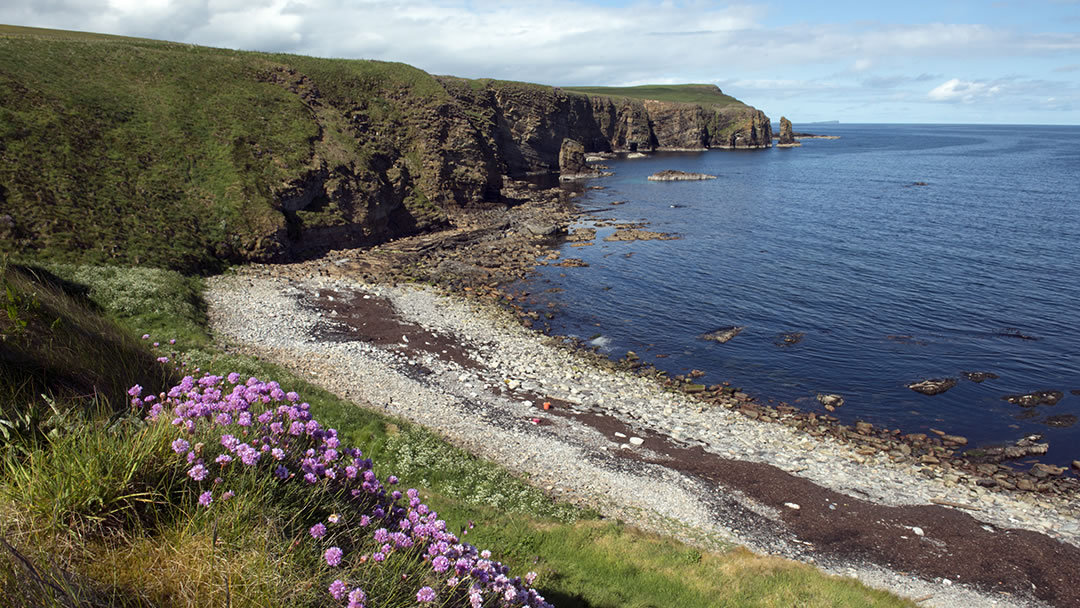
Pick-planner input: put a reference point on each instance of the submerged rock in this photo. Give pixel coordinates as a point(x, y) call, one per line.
point(672, 175)
point(979, 376)
point(1028, 446)
point(789, 339)
point(635, 234)
point(1060, 421)
point(1045, 397)
point(933, 386)
point(724, 334)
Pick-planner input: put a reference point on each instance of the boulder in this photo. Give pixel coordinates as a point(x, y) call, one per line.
point(572, 157)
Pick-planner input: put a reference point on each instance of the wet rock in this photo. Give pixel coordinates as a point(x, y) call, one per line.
point(724, 334)
point(979, 376)
point(934, 386)
point(1076, 465)
point(582, 234)
point(1025, 484)
point(789, 339)
point(864, 428)
point(1045, 397)
point(635, 234)
point(573, 263)
point(1060, 421)
point(1075, 391)
point(672, 175)
point(830, 400)
point(1028, 446)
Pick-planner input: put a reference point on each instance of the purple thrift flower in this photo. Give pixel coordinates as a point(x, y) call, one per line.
point(135, 391)
point(162, 359)
point(206, 498)
point(223, 459)
point(146, 336)
point(180, 446)
point(198, 472)
point(227, 495)
point(332, 556)
point(425, 594)
point(172, 341)
point(440, 564)
point(338, 589)
point(378, 556)
point(234, 378)
point(318, 531)
point(356, 598)
point(281, 472)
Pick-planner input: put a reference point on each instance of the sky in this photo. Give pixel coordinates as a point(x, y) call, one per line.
point(914, 61)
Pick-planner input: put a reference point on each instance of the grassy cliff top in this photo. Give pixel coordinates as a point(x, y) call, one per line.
point(704, 94)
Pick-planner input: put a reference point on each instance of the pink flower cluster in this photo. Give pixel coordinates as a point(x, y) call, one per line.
point(259, 426)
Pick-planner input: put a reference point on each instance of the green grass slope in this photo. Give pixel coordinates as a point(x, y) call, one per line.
point(179, 156)
point(702, 94)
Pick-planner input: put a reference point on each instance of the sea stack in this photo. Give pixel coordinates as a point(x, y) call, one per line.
point(787, 137)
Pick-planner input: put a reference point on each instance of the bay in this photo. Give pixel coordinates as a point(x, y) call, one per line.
point(888, 281)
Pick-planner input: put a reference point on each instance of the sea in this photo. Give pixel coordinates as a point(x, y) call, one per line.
point(856, 266)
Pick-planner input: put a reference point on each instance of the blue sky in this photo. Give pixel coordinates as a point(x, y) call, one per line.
point(949, 61)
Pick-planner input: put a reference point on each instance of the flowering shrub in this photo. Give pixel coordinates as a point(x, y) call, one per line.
point(255, 426)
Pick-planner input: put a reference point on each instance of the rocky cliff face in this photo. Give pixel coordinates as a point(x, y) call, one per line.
point(450, 156)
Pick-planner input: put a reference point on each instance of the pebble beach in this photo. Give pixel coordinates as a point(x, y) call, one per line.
point(633, 450)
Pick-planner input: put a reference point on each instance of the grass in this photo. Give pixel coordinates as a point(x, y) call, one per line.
point(704, 94)
point(101, 509)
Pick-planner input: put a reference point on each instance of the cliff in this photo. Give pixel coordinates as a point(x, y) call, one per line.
point(187, 157)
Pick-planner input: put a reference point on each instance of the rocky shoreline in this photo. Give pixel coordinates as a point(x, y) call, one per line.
point(723, 471)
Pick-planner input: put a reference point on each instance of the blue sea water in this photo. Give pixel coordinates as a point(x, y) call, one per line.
point(890, 282)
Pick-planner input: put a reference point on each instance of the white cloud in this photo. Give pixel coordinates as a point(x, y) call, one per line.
point(965, 91)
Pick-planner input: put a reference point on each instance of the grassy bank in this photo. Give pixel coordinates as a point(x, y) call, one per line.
point(703, 94)
point(102, 508)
